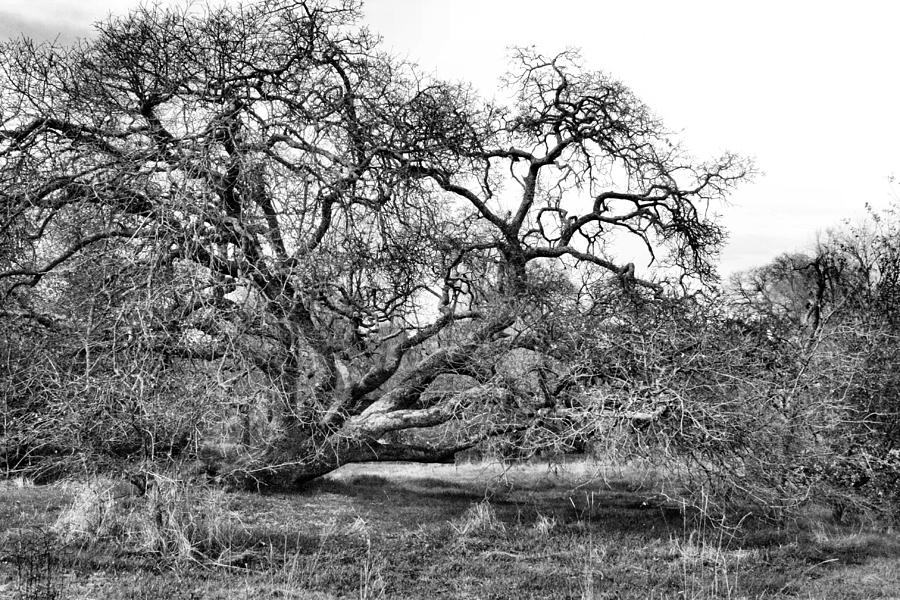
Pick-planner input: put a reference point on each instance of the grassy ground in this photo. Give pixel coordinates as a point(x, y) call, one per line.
point(412, 531)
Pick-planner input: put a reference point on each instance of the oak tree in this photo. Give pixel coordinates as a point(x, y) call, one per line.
point(257, 205)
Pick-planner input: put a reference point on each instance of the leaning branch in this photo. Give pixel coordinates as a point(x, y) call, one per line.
point(560, 251)
point(377, 376)
point(36, 274)
point(378, 424)
point(50, 320)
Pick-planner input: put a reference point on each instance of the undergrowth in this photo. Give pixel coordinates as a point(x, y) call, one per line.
point(382, 539)
point(175, 519)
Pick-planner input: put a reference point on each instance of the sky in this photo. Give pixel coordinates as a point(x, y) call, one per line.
point(808, 89)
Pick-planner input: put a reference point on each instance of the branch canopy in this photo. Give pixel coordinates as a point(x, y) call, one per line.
point(262, 191)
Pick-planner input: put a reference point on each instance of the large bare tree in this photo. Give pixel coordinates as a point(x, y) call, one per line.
point(260, 194)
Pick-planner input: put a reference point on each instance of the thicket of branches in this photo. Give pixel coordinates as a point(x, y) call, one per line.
point(835, 310)
point(246, 236)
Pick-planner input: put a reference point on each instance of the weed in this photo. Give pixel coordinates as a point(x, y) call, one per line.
point(188, 521)
point(583, 515)
point(479, 518)
point(371, 583)
point(543, 526)
point(404, 541)
point(84, 516)
point(358, 527)
point(18, 482)
point(36, 555)
point(176, 519)
point(592, 557)
point(708, 568)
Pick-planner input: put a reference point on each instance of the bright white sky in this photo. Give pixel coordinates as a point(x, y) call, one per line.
point(807, 88)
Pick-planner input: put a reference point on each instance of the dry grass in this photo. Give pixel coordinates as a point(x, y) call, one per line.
point(17, 483)
point(369, 535)
point(543, 526)
point(175, 519)
point(479, 518)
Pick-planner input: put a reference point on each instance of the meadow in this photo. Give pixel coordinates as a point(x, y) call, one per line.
point(474, 531)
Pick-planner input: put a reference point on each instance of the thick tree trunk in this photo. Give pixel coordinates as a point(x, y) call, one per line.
point(345, 424)
point(290, 468)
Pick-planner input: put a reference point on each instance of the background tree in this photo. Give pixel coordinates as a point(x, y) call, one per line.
point(834, 313)
point(256, 209)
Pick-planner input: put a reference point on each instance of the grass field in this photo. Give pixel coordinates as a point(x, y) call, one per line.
point(473, 531)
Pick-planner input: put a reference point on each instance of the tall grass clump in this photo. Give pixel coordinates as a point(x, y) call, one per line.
point(480, 517)
point(174, 518)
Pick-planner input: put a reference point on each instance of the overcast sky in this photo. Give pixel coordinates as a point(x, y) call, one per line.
point(808, 89)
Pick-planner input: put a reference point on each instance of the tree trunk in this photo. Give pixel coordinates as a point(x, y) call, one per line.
point(289, 468)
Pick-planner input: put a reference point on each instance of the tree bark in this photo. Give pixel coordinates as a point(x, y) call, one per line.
point(290, 469)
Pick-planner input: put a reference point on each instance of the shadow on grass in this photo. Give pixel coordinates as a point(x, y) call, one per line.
point(608, 539)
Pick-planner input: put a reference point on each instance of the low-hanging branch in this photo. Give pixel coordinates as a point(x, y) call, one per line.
point(344, 232)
